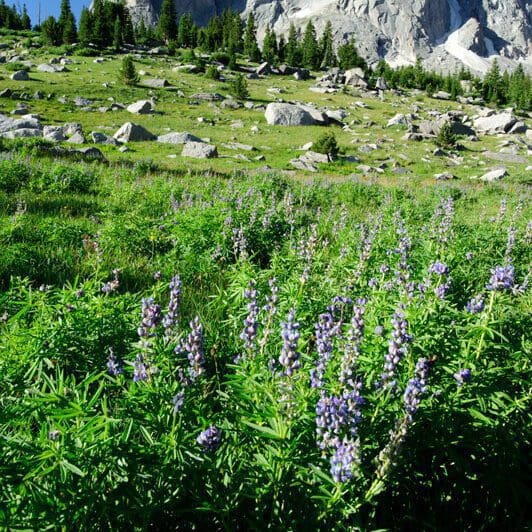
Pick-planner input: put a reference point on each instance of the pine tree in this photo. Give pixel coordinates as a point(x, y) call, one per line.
point(281, 49)
point(239, 87)
point(128, 34)
point(167, 25)
point(51, 31)
point(251, 47)
point(67, 23)
point(117, 34)
point(141, 32)
point(128, 73)
point(25, 19)
point(328, 58)
point(186, 31)
point(98, 34)
point(348, 56)
point(311, 52)
point(85, 27)
point(293, 51)
point(269, 46)
point(213, 35)
point(491, 84)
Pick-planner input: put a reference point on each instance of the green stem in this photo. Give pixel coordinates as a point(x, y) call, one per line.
point(485, 324)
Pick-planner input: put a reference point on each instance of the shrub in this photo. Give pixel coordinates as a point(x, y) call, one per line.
point(446, 138)
point(13, 175)
point(128, 73)
point(326, 144)
point(16, 66)
point(239, 87)
point(212, 73)
point(63, 178)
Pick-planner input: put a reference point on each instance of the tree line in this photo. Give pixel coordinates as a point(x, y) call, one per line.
point(12, 19)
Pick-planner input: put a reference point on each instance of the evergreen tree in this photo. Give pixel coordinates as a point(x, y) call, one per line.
point(281, 49)
point(85, 27)
point(128, 34)
point(51, 31)
point(141, 32)
point(213, 35)
point(167, 25)
point(25, 19)
point(348, 56)
point(251, 47)
point(98, 34)
point(293, 51)
point(128, 73)
point(269, 46)
point(186, 31)
point(311, 52)
point(117, 34)
point(491, 86)
point(239, 87)
point(67, 23)
point(328, 58)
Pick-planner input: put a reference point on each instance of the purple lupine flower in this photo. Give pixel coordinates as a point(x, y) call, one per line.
point(379, 330)
point(114, 366)
point(307, 249)
point(54, 434)
point(372, 283)
point(151, 317)
point(469, 255)
point(353, 341)
point(343, 460)
point(325, 332)
point(502, 210)
point(462, 376)
point(249, 332)
point(510, 244)
point(178, 400)
point(439, 268)
point(416, 387)
point(384, 269)
point(502, 278)
point(210, 439)
point(172, 314)
point(140, 369)
point(397, 347)
point(476, 305)
point(193, 347)
point(289, 358)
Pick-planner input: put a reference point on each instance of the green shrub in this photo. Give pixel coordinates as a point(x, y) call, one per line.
point(62, 178)
point(446, 138)
point(128, 73)
point(326, 144)
point(221, 57)
point(239, 87)
point(16, 66)
point(13, 175)
point(212, 73)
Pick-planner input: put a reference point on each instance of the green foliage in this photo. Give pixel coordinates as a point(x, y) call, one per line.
point(187, 31)
point(348, 56)
point(269, 46)
point(212, 72)
point(51, 31)
point(293, 55)
point(239, 87)
point(128, 72)
point(446, 138)
point(251, 47)
point(310, 50)
point(167, 25)
point(15, 66)
point(328, 57)
point(327, 144)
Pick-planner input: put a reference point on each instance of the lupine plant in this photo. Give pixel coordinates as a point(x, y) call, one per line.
point(271, 356)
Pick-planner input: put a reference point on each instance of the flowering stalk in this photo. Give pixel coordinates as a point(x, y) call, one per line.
point(249, 332)
point(172, 315)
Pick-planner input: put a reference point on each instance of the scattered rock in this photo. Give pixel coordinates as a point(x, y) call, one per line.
point(81, 102)
point(199, 150)
point(263, 69)
point(23, 127)
point(442, 95)
point(50, 69)
point(123, 149)
point(301, 74)
point(156, 83)
point(239, 146)
point(505, 157)
point(495, 174)
point(102, 138)
point(54, 133)
point(399, 119)
point(20, 75)
point(286, 114)
point(178, 138)
point(495, 123)
point(446, 176)
point(142, 107)
point(6, 93)
point(91, 153)
point(70, 128)
point(208, 97)
point(77, 138)
point(130, 132)
point(355, 78)
point(518, 127)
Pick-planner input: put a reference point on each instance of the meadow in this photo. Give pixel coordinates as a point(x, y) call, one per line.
point(190, 344)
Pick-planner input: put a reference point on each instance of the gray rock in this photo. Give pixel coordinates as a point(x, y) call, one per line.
point(156, 83)
point(497, 123)
point(22, 133)
point(505, 157)
point(123, 149)
point(23, 110)
point(130, 132)
point(315, 157)
point(54, 133)
point(518, 127)
point(47, 68)
point(495, 174)
point(399, 120)
point(207, 97)
point(178, 138)
point(381, 84)
point(263, 69)
point(20, 75)
point(38, 95)
point(238, 146)
point(337, 115)
point(142, 107)
point(81, 102)
point(199, 150)
point(230, 104)
point(70, 128)
point(286, 114)
point(355, 78)
point(91, 153)
point(300, 164)
point(102, 138)
point(301, 74)
point(442, 95)
point(446, 176)
point(77, 138)
point(6, 93)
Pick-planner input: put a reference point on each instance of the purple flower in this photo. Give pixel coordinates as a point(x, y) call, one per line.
point(249, 332)
point(140, 369)
point(462, 376)
point(151, 317)
point(325, 332)
point(172, 315)
point(289, 358)
point(114, 366)
point(210, 439)
point(193, 348)
point(502, 278)
point(476, 304)
point(178, 400)
point(353, 342)
point(439, 268)
point(342, 461)
point(54, 434)
point(397, 347)
point(416, 387)
point(469, 255)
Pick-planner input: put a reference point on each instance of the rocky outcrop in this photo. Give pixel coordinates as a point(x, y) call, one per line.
point(286, 114)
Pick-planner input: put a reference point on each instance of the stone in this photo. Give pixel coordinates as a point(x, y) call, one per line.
point(445, 176)
point(77, 138)
point(102, 138)
point(518, 127)
point(300, 164)
point(432, 128)
point(495, 174)
point(22, 133)
point(6, 93)
point(123, 149)
point(23, 110)
point(208, 97)
point(381, 84)
point(178, 138)
point(442, 95)
point(263, 69)
point(238, 146)
point(54, 133)
point(285, 70)
point(285, 114)
point(91, 153)
point(367, 148)
point(190, 68)
point(51, 69)
point(38, 95)
point(301, 74)
point(22, 127)
point(337, 115)
point(130, 132)
point(496, 123)
point(505, 157)
point(199, 150)
point(81, 102)
point(230, 104)
point(142, 107)
point(355, 78)
point(20, 75)
point(70, 128)
point(156, 83)
point(399, 120)
point(315, 157)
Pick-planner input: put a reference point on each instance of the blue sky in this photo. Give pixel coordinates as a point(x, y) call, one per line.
point(48, 7)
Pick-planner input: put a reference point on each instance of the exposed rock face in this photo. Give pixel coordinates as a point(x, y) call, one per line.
point(199, 150)
point(286, 114)
point(443, 32)
point(130, 132)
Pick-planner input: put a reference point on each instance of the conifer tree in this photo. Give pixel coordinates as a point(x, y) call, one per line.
point(167, 25)
point(51, 31)
point(67, 23)
point(128, 34)
point(128, 73)
point(117, 34)
point(186, 31)
point(491, 86)
point(348, 56)
point(311, 53)
point(98, 35)
point(251, 48)
point(328, 58)
point(281, 49)
point(85, 27)
point(269, 46)
point(293, 51)
point(25, 19)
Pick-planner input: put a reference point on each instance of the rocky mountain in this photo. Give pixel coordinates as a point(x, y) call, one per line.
point(445, 33)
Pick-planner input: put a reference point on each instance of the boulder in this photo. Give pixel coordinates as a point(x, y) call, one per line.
point(23, 127)
point(199, 150)
point(130, 132)
point(301, 74)
point(22, 133)
point(496, 123)
point(178, 138)
point(238, 146)
point(432, 128)
point(91, 153)
point(207, 96)
point(263, 69)
point(355, 78)
point(54, 133)
point(142, 107)
point(102, 138)
point(286, 70)
point(20, 75)
point(518, 127)
point(286, 114)
point(51, 69)
point(81, 102)
point(156, 83)
point(70, 128)
point(495, 174)
point(381, 84)
point(399, 120)
point(77, 138)
point(442, 95)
